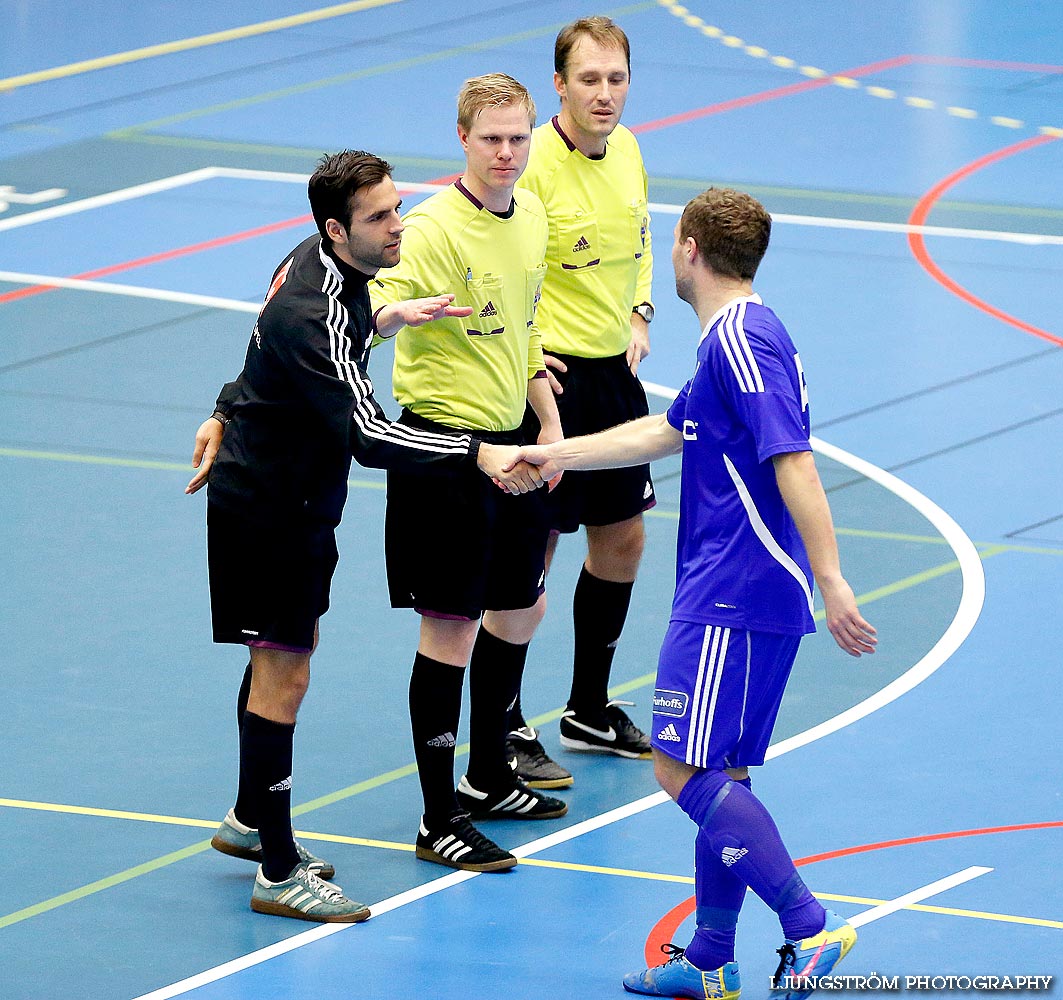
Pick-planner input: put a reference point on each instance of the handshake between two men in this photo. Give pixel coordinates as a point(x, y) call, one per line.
point(518, 468)
point(527, 467)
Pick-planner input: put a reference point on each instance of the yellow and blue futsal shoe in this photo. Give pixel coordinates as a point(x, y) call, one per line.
point(802, 962)
point(678, 978)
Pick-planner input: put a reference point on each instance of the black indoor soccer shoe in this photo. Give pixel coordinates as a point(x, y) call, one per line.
point(456, 843)
point(512, 801)
point(533, 765)
point(615, 734)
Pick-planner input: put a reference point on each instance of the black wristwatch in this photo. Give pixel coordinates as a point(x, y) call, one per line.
point(645, 310)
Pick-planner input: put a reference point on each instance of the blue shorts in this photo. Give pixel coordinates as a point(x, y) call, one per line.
point(718, 693)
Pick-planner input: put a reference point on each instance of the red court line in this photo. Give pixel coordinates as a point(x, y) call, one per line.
point(129, 265)
point(1020, 67)
point(665, 928)
point(918, 244)
point(767, 95)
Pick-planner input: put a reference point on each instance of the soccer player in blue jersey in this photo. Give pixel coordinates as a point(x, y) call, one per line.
point(755, 529)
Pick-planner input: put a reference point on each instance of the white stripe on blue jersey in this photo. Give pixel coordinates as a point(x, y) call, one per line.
point(761, 529)
point(732, 336)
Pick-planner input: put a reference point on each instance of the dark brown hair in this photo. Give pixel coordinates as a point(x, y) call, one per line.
point(731, 229)
point(336, 181)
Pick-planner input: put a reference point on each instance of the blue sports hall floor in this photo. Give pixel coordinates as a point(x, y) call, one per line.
point(153, 160)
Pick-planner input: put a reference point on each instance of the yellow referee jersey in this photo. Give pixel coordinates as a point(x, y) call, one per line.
point(599, 256)
point(473, 372)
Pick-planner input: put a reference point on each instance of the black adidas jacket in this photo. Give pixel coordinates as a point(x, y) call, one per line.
point(303, 404)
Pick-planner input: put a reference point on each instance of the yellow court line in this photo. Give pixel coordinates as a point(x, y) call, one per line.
point(185, 44)
point(423, 59)
point(568, 866)
point(948, 911)
point(106, 813)
point(390, 845)
point(814, 72)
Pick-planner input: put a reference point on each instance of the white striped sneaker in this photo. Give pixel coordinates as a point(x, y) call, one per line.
point(239, 841)
point(458, 844)
point(516, 801)
point(306, 897)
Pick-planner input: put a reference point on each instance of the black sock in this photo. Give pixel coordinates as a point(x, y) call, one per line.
point(494, 680)
point(516, 718)
point(599, 609)
point(435, 709)
point(246, 807)
point(266, 769)
point(241, 698)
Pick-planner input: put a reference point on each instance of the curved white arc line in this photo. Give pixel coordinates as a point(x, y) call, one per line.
point(970, 607)
point(971, 599)
point(967, 613)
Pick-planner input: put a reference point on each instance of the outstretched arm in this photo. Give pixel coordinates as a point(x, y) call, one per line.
point(634, 443)
point(416, 312)
point(802, 492)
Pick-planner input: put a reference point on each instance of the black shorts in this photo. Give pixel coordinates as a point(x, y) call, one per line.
point(456, 545)
point(599, 393)
point(269, 584)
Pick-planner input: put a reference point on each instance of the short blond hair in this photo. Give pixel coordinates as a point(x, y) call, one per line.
point(492, 90)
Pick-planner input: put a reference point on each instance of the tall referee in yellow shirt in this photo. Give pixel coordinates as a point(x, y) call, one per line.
point(468, 557)
point(594, 317)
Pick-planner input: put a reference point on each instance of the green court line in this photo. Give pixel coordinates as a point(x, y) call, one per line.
point(985, 552)
point(361, 74)
point(133, 134)
point(410, 769)
point(435, 164)
point(104, 883)
point(142, 463)
point(186, 44)
point(987, 548)
point(858, 198)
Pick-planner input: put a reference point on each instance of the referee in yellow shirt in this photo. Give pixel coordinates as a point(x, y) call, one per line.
point(594, 316)
point(469, 558)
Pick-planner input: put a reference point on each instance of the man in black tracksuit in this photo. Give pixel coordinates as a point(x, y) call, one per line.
point(301, 408)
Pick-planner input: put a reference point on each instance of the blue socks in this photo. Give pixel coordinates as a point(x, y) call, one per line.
point(738, 845)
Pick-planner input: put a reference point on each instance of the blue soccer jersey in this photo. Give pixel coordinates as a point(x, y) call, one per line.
point(741, 561)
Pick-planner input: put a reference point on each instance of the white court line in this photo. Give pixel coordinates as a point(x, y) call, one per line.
point(917, 895)
point(397, 901)
point(133, 291)
point(962, 623)
point(971, 599)
point(234, 173)
point(825, 222)
point(970, 564)
point(111, 198)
